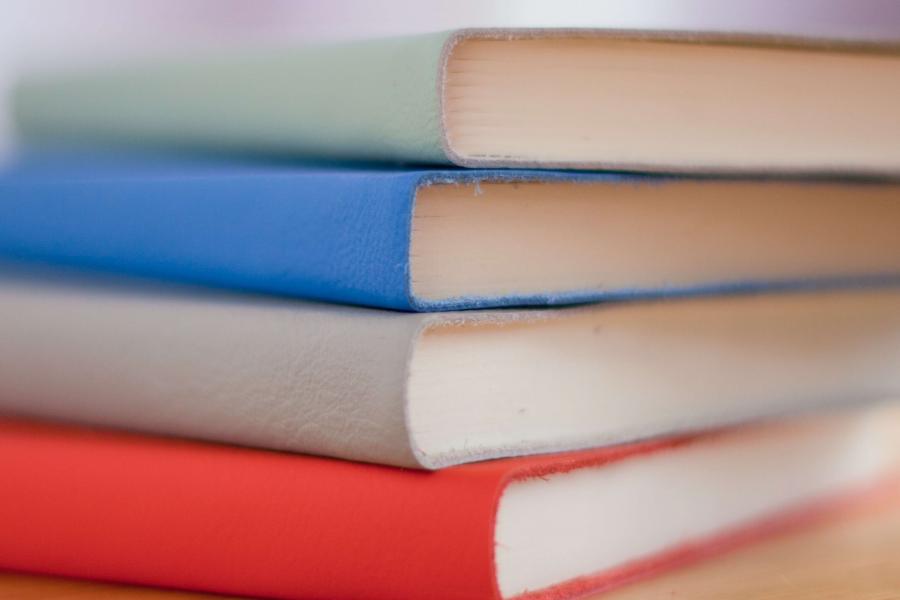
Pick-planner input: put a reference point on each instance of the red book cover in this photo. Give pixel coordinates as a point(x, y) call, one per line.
point(171, 513)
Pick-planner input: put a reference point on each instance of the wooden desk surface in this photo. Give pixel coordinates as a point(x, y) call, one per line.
point(855, 557)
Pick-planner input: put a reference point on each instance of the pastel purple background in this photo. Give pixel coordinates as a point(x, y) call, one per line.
point(54, 33)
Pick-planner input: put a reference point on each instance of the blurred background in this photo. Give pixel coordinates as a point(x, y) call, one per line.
point(39, 34)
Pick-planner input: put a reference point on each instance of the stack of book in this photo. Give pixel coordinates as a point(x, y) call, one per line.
point(595, 338)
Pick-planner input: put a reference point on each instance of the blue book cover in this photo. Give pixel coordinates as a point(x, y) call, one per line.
point(420, 239)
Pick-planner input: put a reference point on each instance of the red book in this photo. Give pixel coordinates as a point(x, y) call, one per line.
point(121, 507)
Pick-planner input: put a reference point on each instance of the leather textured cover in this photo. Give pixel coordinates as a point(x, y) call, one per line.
point(120, 507)
point(333, 233)
point(302, 377)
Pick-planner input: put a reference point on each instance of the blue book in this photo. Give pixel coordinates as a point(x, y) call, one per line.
point(421, 239)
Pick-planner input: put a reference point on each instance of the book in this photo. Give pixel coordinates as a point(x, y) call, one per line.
point(426, 240)
point(433, 390)
point(230, 520)
point(639, 100)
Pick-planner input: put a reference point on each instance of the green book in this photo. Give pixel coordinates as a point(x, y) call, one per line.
point(505, 98)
